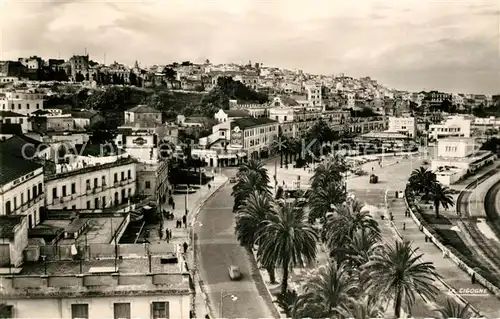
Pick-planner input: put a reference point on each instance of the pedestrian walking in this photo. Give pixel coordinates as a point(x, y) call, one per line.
point(185, 246)
point(473, 278)
point(425, 238)
point(184, 220)
point(169, 234)
point(160, 233)
point(209, 187)
point(173, 205)
point(404, 226)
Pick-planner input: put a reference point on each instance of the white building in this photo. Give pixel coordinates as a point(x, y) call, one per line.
point(228, 115)
point(10, 117)
point(21, 102)
point(454, 126)
point(403, 125)
point(457, 156)
point(314, 95)
point(22, 186)
point(92, 186)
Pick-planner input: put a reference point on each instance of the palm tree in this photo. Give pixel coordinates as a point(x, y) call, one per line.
point(348, 218)
point(453, 309)
point(249, 221)
point(330, 288)
point(287, 301)
point(248, 183)
point(322, 199)
point(363, 307)
point(254, 165)
point(327, 172)
point(287, 239)
point(360, 247)
point(421, 179)
point(441, 196)
point(170, 74)
point(397, 272)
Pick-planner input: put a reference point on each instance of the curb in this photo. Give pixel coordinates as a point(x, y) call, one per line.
point(270, 295)
point(451, 290)
point(195, 275)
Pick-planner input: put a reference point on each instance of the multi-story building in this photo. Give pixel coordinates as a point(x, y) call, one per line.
point(143, 114)
point(454, 126)
point(22, 186)
point(457, 156)
point(22, 102)
point(229, 115)
point(79, 65)
point(254, 109)
point(314, 95)
point(92, 186)
point(403, 125)
point(250, 80)
point(255, 135)
point(9, 117)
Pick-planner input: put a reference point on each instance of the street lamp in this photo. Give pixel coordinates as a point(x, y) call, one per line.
point(44, 258)
point(222, 296)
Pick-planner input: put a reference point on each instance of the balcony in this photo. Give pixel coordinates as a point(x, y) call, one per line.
point(97, 189)
point(61, 199)
point(89, 190)
point(66, 197)
point(116, 183)
point(73, 196)
point(123, 182)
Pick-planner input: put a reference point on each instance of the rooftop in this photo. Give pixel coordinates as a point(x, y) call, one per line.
point(237, 113)
point(11, 114)
point(289, 101)
point(93, 168)
point(8, 223)
point(83, 114)
point(21, 146)
point(248, 122)
point(9, 128)
point(143, 109)
point(12, 167)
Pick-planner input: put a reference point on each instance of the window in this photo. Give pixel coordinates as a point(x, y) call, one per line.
point(8, 209)
point(73, 188)
point(54, 193)
point(87, 182)
point(19, 106)
point(20, 121)
point(96, 203)
point(103, 201)
point(64, 190)
point(80, 311)
point(15, 203)
point(121, 310)
point(148, 184)
point(95, 183)
point(129, 174)
point(73, 207)
point(29, 193)
point(88, 204)
point(40, 188)
point(116, 177)
point(123, 176)
point(34, 191)
point(159, 310)
point(103, 181)
point(22, 198)
point(37, 106)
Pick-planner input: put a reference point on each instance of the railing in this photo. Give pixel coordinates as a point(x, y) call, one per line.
point(430, 233)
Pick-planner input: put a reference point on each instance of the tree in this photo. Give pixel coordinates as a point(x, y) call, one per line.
point(452, 309)
point(287, 240)
point(347, 219)
point(328, 171)
point(323, 198)
point(254, 165)
point(397, 272)
point(422, 179)
point(364, 307)
point(330, 289)
point(171, 75)
point(441, 196)
point(250, 220)
point(248, 183)
point(287, 301)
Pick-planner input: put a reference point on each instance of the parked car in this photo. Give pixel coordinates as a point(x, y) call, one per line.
point(234, 272)
point(232, 180)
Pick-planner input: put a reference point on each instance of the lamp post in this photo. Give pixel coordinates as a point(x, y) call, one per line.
point(44, 258)
point(222, 296)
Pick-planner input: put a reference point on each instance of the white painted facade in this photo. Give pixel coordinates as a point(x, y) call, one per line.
point(24, 196)
point(92, 187)
point(403, 125)
point(454, 126)
point(21, 102)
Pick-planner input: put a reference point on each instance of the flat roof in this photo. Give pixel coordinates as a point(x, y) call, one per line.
point(125, 265)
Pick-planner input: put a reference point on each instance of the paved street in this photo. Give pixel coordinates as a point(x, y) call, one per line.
point(217, 249)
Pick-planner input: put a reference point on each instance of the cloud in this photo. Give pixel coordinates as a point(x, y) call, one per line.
point(403, 43)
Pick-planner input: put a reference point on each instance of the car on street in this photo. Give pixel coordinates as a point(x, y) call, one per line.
point(232, 180)
point(234, 272)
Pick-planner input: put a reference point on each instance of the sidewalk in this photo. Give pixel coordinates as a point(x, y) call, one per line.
point(182, 235)
point(481, 299)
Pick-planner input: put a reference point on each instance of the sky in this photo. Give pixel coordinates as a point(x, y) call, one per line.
point(413, 45)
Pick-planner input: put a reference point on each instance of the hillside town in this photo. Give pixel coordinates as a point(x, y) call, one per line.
point(99, 161)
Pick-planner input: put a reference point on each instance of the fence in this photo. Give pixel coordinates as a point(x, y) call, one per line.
point(447, 253)
point(107, 251)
